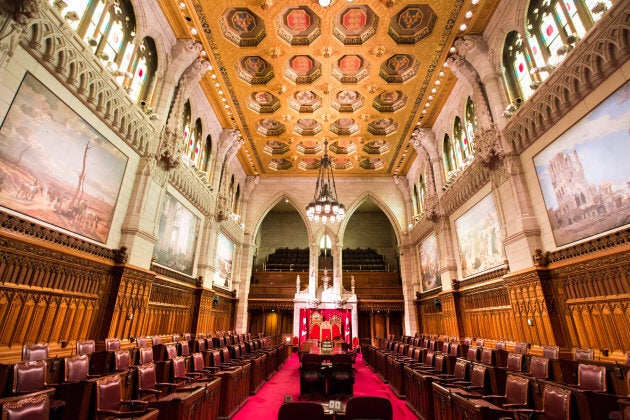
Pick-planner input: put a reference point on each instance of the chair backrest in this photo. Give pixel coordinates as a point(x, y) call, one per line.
point(460, 370)
point(592, 377)
point(122, 359)
point(488, 356)
point(520, 348)
point(156, 339)
point(29, 376)
point(76, 368)
point(429, 358)
point(225, 354)
point(500, 345)
point(34, 352)
point(468, 341)
point(200, 344)
point(108, 394)
point(479, 342)
point(478, 376)
point(445, 347)
point(146, 376)
point(185, 349)
point(473, 353)
point(215, 359)
point(171, 351)
point(515, 361)
point(179, 367)
point(453, 350)
point(176, 338)
point(112, 344)
point(439, 362)
point(198, 363)
point(583, 354)
point(557, 403)
point(369, 407)
point(551, 352)
point(35, 407)
point(539, 367)
point(145, 355)
point(187, 337)
point(516, 388)
point(311, 361)
point(301, 410)
point(142, 342)
point(86, 346)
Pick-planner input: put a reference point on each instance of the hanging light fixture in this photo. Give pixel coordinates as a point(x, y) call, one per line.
point(325, 207)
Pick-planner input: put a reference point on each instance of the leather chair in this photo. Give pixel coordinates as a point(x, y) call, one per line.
point(110, 404)
point(301, 410)
point(551, 352)
point(341, 375)
point(176, 338)
point(592, 377)
point(184, 348)
point(516, 393)
point(460, 373)
point(76, 368)
point(36, 407)
point(171, 351)
point(112, 344)
point(488, 357)
point(34, 352)
point(583, 354)
point(520, 348)
point(122, 360)
point(156, 339)
point(500, 345)
point(180, 375)
point(515, 362)
point(29, 377)
point(478, 380)
point(473, 353)
point(367, 407)
point(556, 406)
point(539, 367)
point(312, 379)
point(148, 387)
point(142, 342)
point(145, 355)
point(86, 346)
point(198, 364)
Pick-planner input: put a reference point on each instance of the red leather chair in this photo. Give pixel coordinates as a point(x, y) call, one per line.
point(592, 377)
point(112, 344)
point(36, 407)
point(473, 353)
point(145, 355)
point(148, 387)
point(122, 360)
point(367, 407)
point(539, 367)
point(34, 352)
point(156, 339)
point(460, 373)
point(556, 406)
point(76, 368)
point(142, 342)
point(301, 410)
point(488, 357)
point(180, 375)
point(551, 352)
point(171, 351)
point(583, 354)
point(29, 377)
point(520, 348)
point(312, 380)
point(199, 365)
point(516, 393)
point(515, 362)
point(110, 404)
point(86, 346)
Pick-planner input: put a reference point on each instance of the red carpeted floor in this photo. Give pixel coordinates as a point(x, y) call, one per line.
point(266, 403)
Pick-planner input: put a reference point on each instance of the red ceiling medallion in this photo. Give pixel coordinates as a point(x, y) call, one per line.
point(354, 19)
point(298, 20)
point(301, 64)
point(350, 63)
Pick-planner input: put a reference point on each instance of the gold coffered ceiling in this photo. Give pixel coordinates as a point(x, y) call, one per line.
point(290, 74)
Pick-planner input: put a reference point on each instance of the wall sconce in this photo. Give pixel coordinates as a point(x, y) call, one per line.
point(129, 317)
point(530, 322)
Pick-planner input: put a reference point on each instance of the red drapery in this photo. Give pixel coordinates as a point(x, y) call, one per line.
point(311, 326)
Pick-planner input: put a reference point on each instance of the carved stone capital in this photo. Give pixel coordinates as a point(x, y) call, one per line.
point(487, 146)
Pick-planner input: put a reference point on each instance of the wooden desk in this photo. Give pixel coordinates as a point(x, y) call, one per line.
point(187, 403)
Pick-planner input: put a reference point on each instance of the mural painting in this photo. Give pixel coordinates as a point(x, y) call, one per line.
point(429, 263)
point(55, 167)
point(223, 269)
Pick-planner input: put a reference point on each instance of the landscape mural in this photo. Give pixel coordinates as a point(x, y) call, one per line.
point(584, 175)
point(56, 168)
point(178, 231)
point(479, 238)
point(429, 263)
point(225, 254)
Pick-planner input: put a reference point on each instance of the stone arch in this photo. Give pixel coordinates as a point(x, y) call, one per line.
point(381, 205)
point(271, 204)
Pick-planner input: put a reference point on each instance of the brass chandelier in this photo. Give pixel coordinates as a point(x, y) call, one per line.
point(325, 207)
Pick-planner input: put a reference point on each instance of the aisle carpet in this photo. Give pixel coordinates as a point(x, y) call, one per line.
point(266, 403)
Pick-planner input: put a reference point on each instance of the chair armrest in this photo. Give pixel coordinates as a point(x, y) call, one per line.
point(156, 392)
point(136, 405)
point(494, 397)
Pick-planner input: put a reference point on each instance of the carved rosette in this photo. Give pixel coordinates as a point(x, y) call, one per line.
point(487, 146)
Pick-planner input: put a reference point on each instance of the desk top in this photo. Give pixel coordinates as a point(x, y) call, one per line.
point(318, 350)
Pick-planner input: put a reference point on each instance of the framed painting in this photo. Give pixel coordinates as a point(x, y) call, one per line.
point(584, 173)
point(55, 167)
point(178, 231)
point(223, 266)
point(479, 238)
point(429, 263)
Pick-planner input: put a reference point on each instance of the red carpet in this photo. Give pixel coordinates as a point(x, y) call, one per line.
point(266, 403)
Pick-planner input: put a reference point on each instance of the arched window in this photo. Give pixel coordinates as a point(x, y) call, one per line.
point(236, 205)
point(470, 125)
point(325, 243)
point(448, 156)
point(204, 156)
point(186, 128)
point(459, 138)
point(231, 192)
point(518, 64)
point(195, 140)
point(109, 29)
